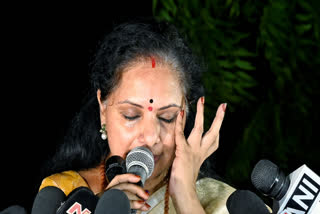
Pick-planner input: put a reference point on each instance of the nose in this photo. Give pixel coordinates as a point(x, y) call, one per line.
point(150, 133)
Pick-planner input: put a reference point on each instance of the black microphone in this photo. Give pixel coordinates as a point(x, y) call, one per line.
point(80, 200)
point(48, 200)
point(269, 179)
point(14, 209)
point(113, 201)
point(115, 165)
point(245, 202)
point(140, 161)
point(297, 193)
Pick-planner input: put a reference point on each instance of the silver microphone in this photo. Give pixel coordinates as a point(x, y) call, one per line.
point(140, 161)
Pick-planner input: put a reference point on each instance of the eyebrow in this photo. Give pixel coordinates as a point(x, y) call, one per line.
point(140, 106)
point(131, 103)
point(169, 106)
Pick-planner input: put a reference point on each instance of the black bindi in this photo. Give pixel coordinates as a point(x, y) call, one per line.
point(151, 100)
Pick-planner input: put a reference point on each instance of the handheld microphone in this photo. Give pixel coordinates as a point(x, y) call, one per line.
point(113, 201)
point(297, 193)
point(80, 200)
point(48, 200)
point(245, 202)
point(140, 161)
point(115, 165)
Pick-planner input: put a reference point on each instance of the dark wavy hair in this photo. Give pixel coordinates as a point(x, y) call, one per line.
point(127, 43)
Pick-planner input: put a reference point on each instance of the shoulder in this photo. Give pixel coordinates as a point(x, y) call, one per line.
point(213, 195)
point(66, 181)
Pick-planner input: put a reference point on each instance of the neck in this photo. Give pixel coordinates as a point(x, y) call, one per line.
point(95, 178)
point(153, 184)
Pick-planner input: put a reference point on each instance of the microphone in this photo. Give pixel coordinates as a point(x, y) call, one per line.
point(80, 200)
point(113, 201)
point(48, 200)
point(245, 202)
point(140, 161)
point(297, 193)
point(14, 209)
point(115, 165)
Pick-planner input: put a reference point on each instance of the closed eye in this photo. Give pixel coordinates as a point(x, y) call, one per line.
point(131, 118)
point(167, 120)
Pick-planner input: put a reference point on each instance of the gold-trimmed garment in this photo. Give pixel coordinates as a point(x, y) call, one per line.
point(66, 181)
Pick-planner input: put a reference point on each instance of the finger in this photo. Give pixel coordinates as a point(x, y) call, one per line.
point(134, 189)
point(146, 207)
point(213, 147)
point(179, 133)
point(131, 196)
point(214, 130)
point(197, 131)
point(139, 205)
point(124, 178)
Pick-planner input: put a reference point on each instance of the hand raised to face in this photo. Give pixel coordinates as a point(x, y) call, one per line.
point(191, 153)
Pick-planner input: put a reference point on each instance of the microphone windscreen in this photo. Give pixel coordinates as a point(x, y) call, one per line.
point(113, 201)
point(246, 202)
point(140, 161)
point(48, 200)
point(263, 175)
point(80, 200)
point(269, 179)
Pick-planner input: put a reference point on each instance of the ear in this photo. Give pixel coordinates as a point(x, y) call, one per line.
point(102, 107)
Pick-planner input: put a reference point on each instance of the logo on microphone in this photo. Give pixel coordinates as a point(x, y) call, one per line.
point(304, 196)
point(76, 208)
point(285, 212)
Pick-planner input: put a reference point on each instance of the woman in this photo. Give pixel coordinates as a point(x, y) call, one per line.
point(145, 80)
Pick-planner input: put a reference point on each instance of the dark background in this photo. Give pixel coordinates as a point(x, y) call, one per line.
point(44, 75)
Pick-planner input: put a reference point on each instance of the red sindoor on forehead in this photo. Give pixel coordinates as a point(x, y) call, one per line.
point(153, 62)
point(150, 108)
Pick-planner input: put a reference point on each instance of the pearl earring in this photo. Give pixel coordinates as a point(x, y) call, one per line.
point(103, 132)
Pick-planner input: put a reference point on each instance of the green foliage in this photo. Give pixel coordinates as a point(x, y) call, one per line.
point(263, 59)
point(221, 42)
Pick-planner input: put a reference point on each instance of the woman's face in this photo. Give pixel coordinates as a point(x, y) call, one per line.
point(142, 111)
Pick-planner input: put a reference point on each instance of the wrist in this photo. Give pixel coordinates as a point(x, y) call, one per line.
point(183, 194)
point(182, 186)
point(186, 201)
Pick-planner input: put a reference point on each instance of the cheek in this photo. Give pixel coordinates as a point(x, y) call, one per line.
point(119, 138)
point(167, 137)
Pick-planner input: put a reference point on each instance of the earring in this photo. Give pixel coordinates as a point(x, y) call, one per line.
point(103, 132)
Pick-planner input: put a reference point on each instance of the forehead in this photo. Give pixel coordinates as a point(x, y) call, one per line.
point(143, 81)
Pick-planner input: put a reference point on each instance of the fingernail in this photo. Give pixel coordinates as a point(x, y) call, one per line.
point(202, 100)
point(147, 192)
point(147, 205)
point(224, 107)
point(137, 176)
point(141, 201)
point(182, 113)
